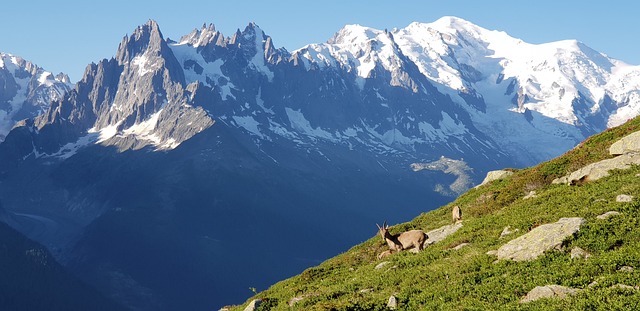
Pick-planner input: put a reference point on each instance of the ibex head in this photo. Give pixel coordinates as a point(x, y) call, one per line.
point(384, 230)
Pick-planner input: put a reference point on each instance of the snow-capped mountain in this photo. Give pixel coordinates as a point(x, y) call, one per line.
point(26, 90)
point(563, 91)
point(201, 152)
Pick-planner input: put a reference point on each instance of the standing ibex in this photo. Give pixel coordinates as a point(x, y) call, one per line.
point(405, 240)
point(456, 214)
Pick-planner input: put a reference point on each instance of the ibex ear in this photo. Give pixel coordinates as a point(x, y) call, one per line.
point(385, 225)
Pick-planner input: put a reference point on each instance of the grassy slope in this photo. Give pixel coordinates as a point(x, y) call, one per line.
point(440, 278)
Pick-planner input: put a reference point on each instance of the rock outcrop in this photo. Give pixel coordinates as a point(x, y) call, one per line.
point(595, 171)
point(549, 291)
point(441, 233)
point(495, 175)
point(627, 152)
point(627, 144)
point(539, 240)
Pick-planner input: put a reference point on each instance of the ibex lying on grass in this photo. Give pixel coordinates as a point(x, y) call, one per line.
point(405, 240)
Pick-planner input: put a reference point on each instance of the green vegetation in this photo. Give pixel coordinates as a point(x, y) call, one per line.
point(443, 278)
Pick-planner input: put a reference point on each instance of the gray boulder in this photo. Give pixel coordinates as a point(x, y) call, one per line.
point(539, 240)
point(495, 175)
point(549, 291)
point(624, 198)
point(629, 143)
point(595, 171)
point(441, 233)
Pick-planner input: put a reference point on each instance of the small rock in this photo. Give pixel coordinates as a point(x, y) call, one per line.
point(384, 254)
point(549, 291)
point(392, 304)
point(507, 230)
point(531, 194)
point(253, 305)
point(626, 269)
point(493, 252)
point(366, 290)
point(381, 265)
point(579, 253)
point(461, 245)
point(607, 215)
point(623, 198)
point(624, 286)
point(593, 284)
point(295, 300)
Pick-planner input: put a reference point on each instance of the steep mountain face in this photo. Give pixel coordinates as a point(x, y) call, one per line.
point(180, 173)
point(26, 90)
point(33, 280)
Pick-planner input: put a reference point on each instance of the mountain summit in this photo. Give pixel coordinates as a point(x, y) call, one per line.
point(231, 163)
point(26, 90)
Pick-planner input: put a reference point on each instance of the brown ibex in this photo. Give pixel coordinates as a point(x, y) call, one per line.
point(405, 240)
point(456, 214)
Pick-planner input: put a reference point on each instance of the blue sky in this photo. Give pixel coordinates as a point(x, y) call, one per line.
point(65, 36)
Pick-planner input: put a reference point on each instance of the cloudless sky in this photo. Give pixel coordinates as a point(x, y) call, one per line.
point(65, 36)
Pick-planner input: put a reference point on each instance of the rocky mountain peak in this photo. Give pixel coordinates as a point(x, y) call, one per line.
point(146, 38)
point(203, 36)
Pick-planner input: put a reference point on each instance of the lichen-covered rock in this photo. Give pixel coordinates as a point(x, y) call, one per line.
point(549, 291)
point(441, 233)
point(629, 143)
point(607, 215)
point(579, 253)
point(495, 175)
point(595, 171)
point(506, 231)
point(539, 240)
point(624, 198)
